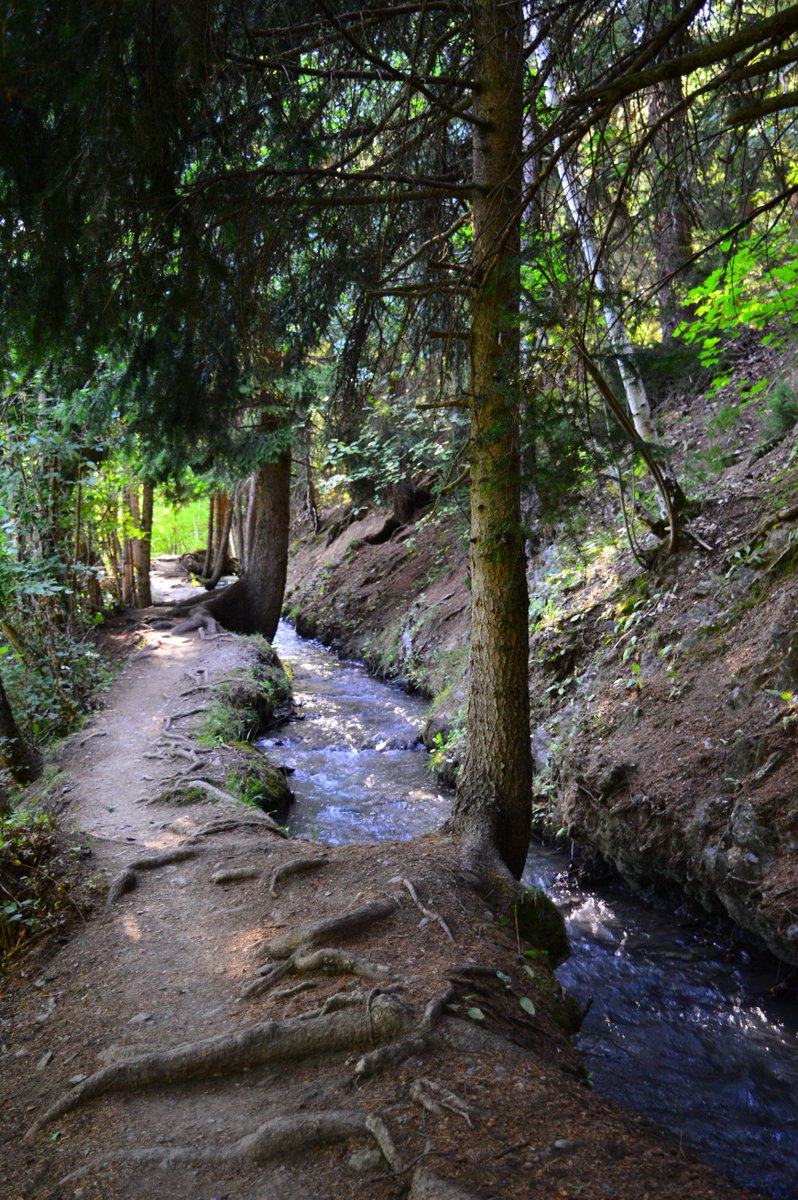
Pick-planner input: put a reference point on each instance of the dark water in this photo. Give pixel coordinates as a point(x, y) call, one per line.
point(682, 1028)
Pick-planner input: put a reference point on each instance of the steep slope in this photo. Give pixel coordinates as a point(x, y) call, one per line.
point(664, 698)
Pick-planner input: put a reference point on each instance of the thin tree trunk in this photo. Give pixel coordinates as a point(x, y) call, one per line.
point(21, 759)
point(144, 545)
point(239, 521)
point(208, 562)
point(222, 560)
point(253, 603)
point(574, 192)
point(492, 810)
point(673, 221)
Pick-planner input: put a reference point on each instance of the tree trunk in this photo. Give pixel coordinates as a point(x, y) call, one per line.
point(208, 563)
point(492, 811)
point(673, 221)
point(253, 603)
point(222, 565)
point(142, 519)
point(22, 760)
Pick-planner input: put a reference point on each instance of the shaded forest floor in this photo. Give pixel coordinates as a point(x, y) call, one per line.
point(244, 1016)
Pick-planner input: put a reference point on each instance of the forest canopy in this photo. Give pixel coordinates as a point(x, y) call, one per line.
point(465, 242)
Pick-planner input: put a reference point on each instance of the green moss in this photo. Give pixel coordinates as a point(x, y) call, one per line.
point(261, 785)
point(530, 915)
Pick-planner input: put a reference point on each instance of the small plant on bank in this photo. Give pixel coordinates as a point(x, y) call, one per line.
point(32, 896)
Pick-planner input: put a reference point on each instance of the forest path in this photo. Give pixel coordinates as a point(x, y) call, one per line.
point(273, 1033)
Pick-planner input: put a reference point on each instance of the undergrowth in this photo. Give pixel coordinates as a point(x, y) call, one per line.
point(33, 892)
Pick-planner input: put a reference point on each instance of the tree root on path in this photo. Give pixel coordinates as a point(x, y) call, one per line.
point(427, 1186)
point(429, 913)
point(435, 1098)
point(203, 621)
point(294, 867)
point(127, 879)
point(258, 1045)
point(331, 960)
point(228, 824)
point(307, 936)
point(236, 874)
point(288, 1135)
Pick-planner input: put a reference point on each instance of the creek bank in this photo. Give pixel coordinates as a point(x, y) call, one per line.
point(252, 1016)
point(665, 701)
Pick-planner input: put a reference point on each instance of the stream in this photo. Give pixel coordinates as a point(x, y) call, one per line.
point(682, 1027)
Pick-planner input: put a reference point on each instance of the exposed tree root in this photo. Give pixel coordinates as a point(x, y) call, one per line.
point(257, 1045)
point(288, 992)
point(189, 712)
point(236, 874)
point(335, 961)
point(288, 1135)
point(127, 879)
point(415, 1043)
point(429, 913)
point(203, 621)
point(330, 960)
point(124, 882)
point(390, 1055)
point(436, 1098)
point(153, 861)
point(214, 793)
point(227, 824)
point(294, 867)
point(307, 936)
point(379, 1131)
point(427, 1186)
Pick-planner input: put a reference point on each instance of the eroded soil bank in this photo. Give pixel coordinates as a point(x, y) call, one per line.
point(248, 1016)
point(664, 700)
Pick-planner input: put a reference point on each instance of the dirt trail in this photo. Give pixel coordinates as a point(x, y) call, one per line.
point(353, 1028)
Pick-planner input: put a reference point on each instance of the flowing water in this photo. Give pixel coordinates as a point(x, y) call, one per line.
point(682, 1028)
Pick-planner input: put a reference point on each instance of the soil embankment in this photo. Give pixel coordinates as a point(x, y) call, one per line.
point(664, 700)
point(247, 1016)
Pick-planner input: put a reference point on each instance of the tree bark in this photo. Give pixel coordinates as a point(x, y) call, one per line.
point(221, 563)
point(492, 810)
point(208, 562)
point(673, 221)
point(253, 603)
point(142, 519)
point(21, 759)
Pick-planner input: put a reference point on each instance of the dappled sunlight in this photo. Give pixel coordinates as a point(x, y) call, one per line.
point(237, 956)
point(131, 927)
